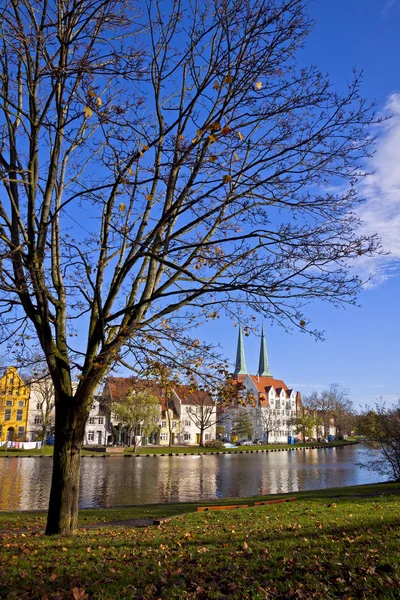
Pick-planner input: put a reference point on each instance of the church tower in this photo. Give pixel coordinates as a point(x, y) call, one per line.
point(263, 367)
point(240, 367)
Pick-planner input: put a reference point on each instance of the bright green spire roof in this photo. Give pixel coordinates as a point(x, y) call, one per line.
point(263, 367)
point(240, 367)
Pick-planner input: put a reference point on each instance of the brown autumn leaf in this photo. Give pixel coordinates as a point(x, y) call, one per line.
point(79, 593)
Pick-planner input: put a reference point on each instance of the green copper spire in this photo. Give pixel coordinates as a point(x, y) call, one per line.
point(240, 367)
point(263, 367)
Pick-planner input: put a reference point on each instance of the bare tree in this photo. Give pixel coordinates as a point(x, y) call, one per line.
point(43, 391)
point(331, 407)
point(340, 409)
point(269, 421)
point(201, 408)
point(380, 429)
point(158, 168)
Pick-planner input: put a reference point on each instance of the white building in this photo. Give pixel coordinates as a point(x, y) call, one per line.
point(98, 426)
point(41, 412)
point(41, 415)
point(270, 404)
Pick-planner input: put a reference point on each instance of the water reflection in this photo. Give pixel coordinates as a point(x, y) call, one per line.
point(25, 482)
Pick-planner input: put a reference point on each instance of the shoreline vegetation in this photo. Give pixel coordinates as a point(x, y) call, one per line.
point(331, 543)
point(179, 450)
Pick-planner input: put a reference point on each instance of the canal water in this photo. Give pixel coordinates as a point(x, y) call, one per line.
point(111, 481)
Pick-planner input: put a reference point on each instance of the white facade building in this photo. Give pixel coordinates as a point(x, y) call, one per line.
point(98, 426)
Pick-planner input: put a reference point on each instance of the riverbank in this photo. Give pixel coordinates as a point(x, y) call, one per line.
point(337, 543)
point(180, 450)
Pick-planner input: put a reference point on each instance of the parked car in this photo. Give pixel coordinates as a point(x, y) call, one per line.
point(229, 445)
point(245, 443)
point(258, 442)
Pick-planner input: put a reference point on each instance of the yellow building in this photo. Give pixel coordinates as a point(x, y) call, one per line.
point(14, 397)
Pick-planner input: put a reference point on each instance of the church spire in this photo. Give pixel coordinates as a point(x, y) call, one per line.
point(240, 367)
point(263, 367)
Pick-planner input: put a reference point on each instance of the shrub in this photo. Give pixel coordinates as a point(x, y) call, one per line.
point(214, 444)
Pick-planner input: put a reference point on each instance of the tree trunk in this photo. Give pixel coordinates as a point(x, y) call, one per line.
point(62, 517)
point(201, 441)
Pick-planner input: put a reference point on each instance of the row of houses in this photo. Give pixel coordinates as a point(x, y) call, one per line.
point(187, 417)
point(27, 413)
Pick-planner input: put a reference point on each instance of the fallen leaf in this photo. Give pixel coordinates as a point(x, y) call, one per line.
point(79, 593)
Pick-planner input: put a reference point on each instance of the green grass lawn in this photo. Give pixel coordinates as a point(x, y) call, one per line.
point(330, 544)
point(48, 450)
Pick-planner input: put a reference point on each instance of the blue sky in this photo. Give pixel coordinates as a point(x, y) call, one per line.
point(362, 345)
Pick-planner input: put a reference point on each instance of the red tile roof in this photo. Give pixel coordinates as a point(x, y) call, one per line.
point(193, 398)
point(262, 383)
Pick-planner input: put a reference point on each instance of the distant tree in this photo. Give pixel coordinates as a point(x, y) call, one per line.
point(36, 375)
point(139, 412)
point(202, 410)
point(242, 425)
point(44, 395)
point(304, 424)
point(340, 409)
point(269, 422)
point(331, 406)
point(380, 429)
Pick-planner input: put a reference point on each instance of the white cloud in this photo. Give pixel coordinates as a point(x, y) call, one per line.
point(381, 212)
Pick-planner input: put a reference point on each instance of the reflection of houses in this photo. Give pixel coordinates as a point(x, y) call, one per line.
point(269, 403)
point(14, 396)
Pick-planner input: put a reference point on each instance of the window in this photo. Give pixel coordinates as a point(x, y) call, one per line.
point(206, 436)
point(38, 406)
point(17, 392)
point(101, 420)
point(21, 430)
point(37, 420)
point(10, 392)
point(21, 403)
point(187, 423)
point(1, 431)
point(163, 424)
point(164, 437)
point(3, 392)
point(7, 414)
point(91, 421)
point(186, 437)
point(174, 424)
point(20, 414)
point(11, 380)
point(90, 436)
point(9, 403)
